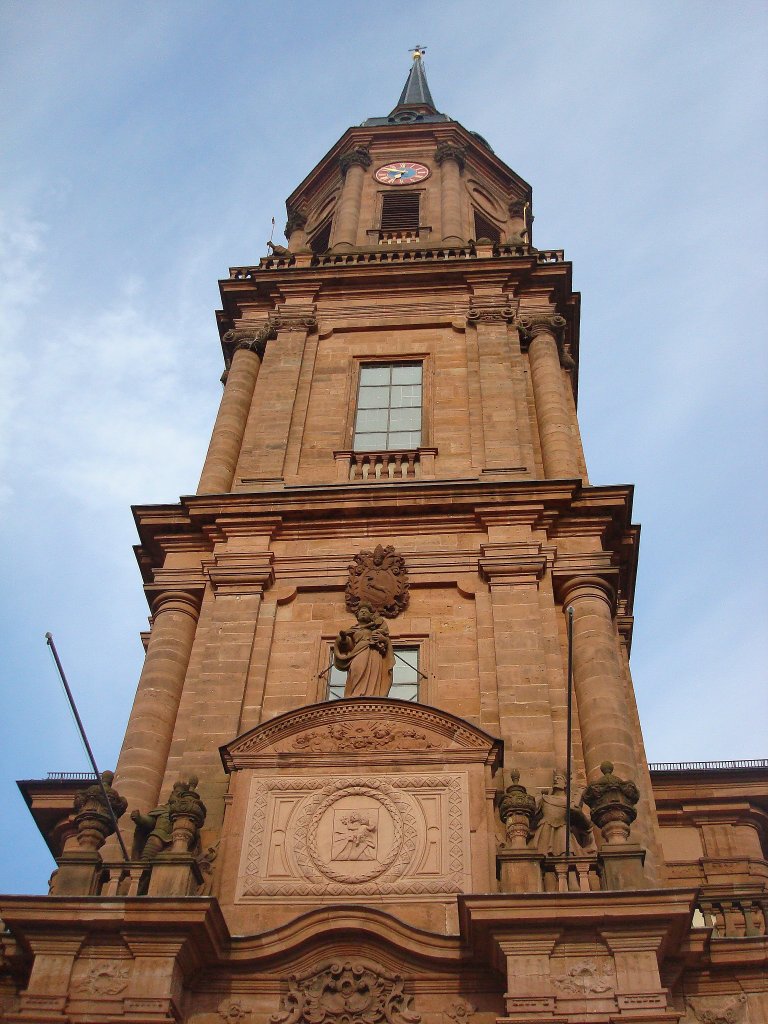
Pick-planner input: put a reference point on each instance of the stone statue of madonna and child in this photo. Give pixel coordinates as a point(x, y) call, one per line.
point(365, 654)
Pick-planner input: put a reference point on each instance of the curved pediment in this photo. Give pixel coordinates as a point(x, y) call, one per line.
point(365, 729)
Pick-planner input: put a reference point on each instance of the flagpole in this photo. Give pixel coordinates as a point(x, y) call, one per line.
point(86, 744)
point(569, 735)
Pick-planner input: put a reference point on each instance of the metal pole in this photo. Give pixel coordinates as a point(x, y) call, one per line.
point(86, 744)
point(569, 735)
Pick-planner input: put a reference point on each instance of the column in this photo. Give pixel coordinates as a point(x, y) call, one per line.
point(490, 314)
point(229, 429)
point(451, 161)
point(605, 704)
point(142, 761)
point(514, 572)
point(558, 451)
point(604, 718)
point(295, 231)
point(267, 428)
point(353, 167)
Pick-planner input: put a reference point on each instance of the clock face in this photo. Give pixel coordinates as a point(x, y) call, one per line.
point(402, 172)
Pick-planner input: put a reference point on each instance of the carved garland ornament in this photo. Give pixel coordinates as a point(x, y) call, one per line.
point(586, 976)
point(378, 578)
point(349, 736)
point(346, 993)
point(726, 1011)
point(105, 977)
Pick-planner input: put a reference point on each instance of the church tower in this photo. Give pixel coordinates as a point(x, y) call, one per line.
point(343, 782)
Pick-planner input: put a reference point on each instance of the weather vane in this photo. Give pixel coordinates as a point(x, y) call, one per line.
point(417, 52)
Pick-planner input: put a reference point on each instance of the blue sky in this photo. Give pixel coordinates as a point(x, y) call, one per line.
point(147, 147)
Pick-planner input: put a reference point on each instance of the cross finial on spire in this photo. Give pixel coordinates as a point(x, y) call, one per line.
point(417, 51)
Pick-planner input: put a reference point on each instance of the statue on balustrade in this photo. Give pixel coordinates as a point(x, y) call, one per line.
point(154, 829)
point(365, 654)
point(549, 822)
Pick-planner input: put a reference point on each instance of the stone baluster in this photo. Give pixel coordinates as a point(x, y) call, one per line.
point(229, 429)
point(451, 160)
point(558, 450)
point(295, 231)
point(353, 167)
point(143, 758)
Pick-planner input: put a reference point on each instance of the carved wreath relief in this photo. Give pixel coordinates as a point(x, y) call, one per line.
point(379, 579)
point(348, 836)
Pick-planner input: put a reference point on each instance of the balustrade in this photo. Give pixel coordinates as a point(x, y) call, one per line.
point(393, 244)
point(383, 466)
point(570, 874)
point(733, 916)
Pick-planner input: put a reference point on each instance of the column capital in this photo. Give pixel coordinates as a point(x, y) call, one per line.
point(296, 221)
point(359, 156)
point(486, 310)
point(533, 324)
point(186, 601)
point(242, 574)
point(574, 587)
point(449, 151)
point(512, 564)
point(293, 320)
point(253, 339)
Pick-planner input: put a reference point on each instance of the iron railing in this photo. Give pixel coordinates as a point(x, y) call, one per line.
point(693, 766)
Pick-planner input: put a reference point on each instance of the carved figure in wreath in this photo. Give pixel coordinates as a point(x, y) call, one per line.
point(379, 579)
point(365, 654)
point(549, 820)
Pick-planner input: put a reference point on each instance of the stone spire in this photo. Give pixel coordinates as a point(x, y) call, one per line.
point(415, 103)
point(416, 90)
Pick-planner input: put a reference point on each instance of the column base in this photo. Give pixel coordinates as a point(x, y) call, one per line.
point(621, 866)
point(521, 870)
point(78, 874)
point(174, 874)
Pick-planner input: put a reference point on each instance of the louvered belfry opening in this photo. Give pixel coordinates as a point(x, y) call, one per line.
point(484, 228)
point(400, 211)
point(321, 240)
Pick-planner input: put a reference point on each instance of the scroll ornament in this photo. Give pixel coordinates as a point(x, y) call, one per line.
point(342, 993)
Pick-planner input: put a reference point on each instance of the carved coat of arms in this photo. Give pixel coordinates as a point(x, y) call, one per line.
point(378, 578)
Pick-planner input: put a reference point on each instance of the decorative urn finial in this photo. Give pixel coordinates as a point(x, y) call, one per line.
point(612, 803)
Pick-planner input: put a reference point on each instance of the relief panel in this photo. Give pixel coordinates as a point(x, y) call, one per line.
point(356, 835)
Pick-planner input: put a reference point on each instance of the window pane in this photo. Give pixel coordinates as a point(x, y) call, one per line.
point(405, 676)
point(374, 375)
point(405, 691)
point(404, 440)
point(373, 398)
point(406, 665)
point(371, 419)
point(405, 419)
point(410, 374)
point(337, 680)
point(370, 442)
point(405, 395)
